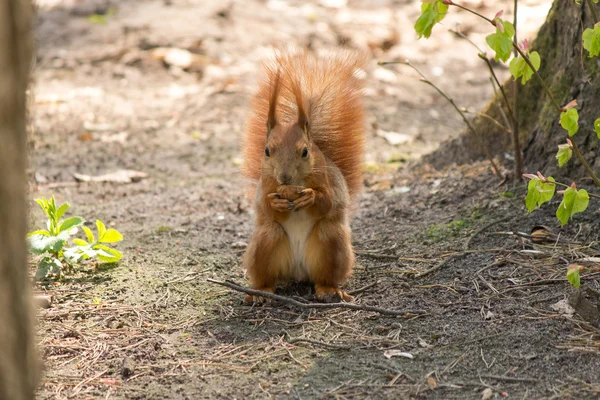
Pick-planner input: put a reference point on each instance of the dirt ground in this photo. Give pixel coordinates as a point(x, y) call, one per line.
point(105, 99)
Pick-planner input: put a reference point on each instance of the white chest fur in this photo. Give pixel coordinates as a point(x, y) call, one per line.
point(298, 227)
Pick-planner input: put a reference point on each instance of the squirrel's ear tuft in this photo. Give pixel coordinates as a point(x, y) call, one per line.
point(302, 117)
point(271, 118)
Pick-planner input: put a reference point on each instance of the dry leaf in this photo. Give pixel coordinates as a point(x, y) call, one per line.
point(120, 137)
point(562, 307)
point(487, 394)
point(121, 176)
point(394, 138)
point(397, 353)
point(541, 234)
point(90, 126)
point(431, 382)
point(86, 137)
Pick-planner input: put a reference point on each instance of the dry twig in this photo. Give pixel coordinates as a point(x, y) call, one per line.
point(289, 300)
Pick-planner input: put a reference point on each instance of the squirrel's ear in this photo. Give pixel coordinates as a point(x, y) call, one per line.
point(271, 118)
point(302, 117)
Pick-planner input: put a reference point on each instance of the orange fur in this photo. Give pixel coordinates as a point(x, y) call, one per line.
point(332, 97)
point(303, 149)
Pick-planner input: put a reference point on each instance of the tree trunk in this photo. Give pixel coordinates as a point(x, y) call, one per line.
point(17, 355)
point(570, 74)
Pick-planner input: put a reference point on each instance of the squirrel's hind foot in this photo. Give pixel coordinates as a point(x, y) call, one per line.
point(253, 299)
point(328, 294)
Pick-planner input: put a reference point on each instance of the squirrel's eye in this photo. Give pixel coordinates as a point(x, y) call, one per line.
point(305, 152)
point(267, 153)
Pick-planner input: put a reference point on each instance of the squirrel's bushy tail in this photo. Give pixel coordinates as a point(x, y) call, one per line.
point(330, 86)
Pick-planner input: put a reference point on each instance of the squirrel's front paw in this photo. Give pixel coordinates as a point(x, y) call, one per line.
point(279, 204)
point(307, 199)
point(290, 192)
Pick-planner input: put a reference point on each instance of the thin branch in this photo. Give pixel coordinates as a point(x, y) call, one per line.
point(362, 289)
point(538, 77)
point(511, 112)
point(436, 267)
point(567, 186)
point(293, 340)
point(585, 164)
point(515, 113)
point(500, 109)
point(493, 77)
point(493, 74)
point(465, 37)
point(451, 101)
point(515, 7)
point(489, 118)
point(514, 123)
point(509, 378)
point(473, 12)
point(288, 300)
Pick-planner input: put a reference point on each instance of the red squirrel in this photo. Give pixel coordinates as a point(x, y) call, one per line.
point(303, 151)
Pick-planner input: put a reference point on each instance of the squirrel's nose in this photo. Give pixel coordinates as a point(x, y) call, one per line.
point(285, 179)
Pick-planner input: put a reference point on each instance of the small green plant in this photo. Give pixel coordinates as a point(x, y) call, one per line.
point(51, 243)
point(573, 272)
point(102, 19)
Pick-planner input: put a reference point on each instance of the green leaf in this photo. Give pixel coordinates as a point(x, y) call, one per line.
point(43, 203)
point(591, 40)
point(99, 19)
point(47, 266)
point(39, 232)
point(569, 121)
point(501, 44)
point(69, 223)
point(73, 254)
point(111, 236)
point(574, 201)
point(61, 210)
point(431, 14)
point(539, 192)
point(108, 254)
point(597, 127)
point(40, 244)
point(509, 28)
point(89, 234)
point(564, 154)
point(52, 207)
point(87, 252)
point(101, 229)
point(80, 242)
point(573, 275)
point(519, 68)
point(501, 41)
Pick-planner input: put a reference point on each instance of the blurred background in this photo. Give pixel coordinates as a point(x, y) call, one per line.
point(168, 82)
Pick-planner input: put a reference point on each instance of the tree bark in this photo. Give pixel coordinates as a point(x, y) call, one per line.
point(17, 355)
point(570, 74)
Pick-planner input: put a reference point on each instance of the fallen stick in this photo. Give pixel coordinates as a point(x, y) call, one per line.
point(362, 289)
point(509, 378)
point(288, 300)
point(292, 340)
